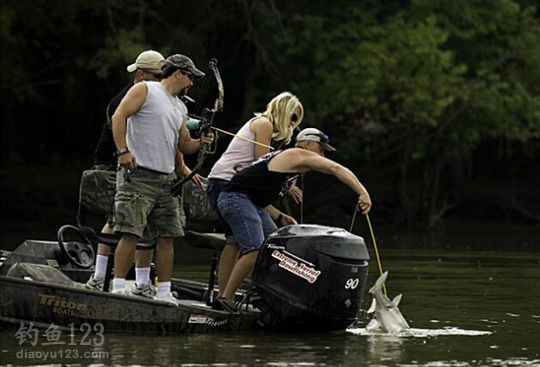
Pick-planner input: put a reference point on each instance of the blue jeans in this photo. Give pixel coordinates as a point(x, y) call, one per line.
point(250, 223)
point(214, 188)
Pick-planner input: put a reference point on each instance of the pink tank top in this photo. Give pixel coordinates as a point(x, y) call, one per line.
point(238, 155)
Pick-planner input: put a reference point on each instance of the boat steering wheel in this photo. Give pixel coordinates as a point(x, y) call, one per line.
point(80, 254)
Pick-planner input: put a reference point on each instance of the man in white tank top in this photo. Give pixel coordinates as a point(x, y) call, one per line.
point(147, 66)
point(148, 129)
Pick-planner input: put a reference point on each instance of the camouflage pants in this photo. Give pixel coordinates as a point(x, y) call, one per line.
point(143, 199)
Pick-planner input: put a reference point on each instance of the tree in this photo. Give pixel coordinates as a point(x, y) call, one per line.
point(415, 91)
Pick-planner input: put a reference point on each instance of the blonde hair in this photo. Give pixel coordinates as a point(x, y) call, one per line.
point(279, 111)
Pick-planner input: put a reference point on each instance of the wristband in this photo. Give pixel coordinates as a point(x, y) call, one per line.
point(122, 151)
point(279, 218)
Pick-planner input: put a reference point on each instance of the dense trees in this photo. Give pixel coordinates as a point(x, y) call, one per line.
point(424, 98)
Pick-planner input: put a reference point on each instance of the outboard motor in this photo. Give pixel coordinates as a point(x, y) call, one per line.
point(311, 277)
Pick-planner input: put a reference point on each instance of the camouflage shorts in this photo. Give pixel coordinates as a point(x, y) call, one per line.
point(143, 199)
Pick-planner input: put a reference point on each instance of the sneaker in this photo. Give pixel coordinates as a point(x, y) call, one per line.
point(223, 304)
point(169, 298)
point(123, 292)
point(147, 290)
point(95, 284)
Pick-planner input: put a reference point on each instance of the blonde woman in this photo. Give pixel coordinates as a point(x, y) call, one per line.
point(283, 114)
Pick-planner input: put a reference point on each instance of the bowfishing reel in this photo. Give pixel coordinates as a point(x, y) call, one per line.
point(201, 125)
point(196, 126)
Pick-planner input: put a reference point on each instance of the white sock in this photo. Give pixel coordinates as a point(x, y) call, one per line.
point(163, 289)
point(142, 276)
point(118, 284)
point(101, 266)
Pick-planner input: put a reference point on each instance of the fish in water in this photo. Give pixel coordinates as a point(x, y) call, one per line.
point(387, 318)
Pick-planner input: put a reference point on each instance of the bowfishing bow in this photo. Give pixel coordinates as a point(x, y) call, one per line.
point(206, 120)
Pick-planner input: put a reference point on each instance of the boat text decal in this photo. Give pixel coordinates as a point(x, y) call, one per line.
point(203, 319)
point(295, 267)
point(61, 305)
point(275, 247)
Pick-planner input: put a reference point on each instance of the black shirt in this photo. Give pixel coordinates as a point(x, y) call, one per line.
point(259, 184)
point(105, 148)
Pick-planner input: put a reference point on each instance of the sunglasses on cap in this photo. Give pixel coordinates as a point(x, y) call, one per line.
point(155, 75)
point(322, 137)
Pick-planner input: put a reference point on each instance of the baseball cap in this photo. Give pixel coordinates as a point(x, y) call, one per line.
point(313, 134)
point(184, 63)
point(149, 59)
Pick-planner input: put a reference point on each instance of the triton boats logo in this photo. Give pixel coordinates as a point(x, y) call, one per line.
point(297, 268)
point(61, 305)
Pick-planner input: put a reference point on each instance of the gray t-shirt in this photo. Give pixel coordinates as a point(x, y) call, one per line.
point(153, 131)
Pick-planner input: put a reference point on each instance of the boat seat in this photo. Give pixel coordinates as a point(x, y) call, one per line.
point(112, 239)
point(213, 241)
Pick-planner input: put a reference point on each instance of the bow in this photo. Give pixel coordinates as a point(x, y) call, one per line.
point(206, 120)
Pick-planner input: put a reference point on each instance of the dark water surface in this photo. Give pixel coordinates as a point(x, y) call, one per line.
point(465, 308)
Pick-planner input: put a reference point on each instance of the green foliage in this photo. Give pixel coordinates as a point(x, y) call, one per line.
point(407, 91)
point(419, 88)
point(118, 49)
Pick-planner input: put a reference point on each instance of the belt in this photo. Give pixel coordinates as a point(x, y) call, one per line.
point(153, 171)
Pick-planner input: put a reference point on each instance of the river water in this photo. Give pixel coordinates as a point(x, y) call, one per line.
point(465, 308)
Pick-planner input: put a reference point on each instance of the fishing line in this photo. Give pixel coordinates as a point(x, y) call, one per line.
point(241, 137)
point(374, 243)
point(376, 250)
point(302, 201)
point(353, 218)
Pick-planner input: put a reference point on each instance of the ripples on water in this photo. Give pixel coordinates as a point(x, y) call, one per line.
point(465, 310)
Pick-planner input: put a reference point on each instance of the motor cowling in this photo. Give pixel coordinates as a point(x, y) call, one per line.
point(311, 277)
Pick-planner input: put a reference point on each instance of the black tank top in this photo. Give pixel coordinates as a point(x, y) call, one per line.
point(259, 184)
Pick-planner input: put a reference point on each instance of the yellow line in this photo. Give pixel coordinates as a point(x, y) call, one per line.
point(302, 202)
point(241, 137)
point(376, 250)
point(353, 218)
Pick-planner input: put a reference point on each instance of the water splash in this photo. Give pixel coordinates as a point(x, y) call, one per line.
point(423, 333)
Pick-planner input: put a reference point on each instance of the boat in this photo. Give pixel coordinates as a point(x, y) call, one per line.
point(306, 277)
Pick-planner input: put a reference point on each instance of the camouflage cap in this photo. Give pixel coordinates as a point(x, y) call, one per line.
point(183, 62)
point(313, 134)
